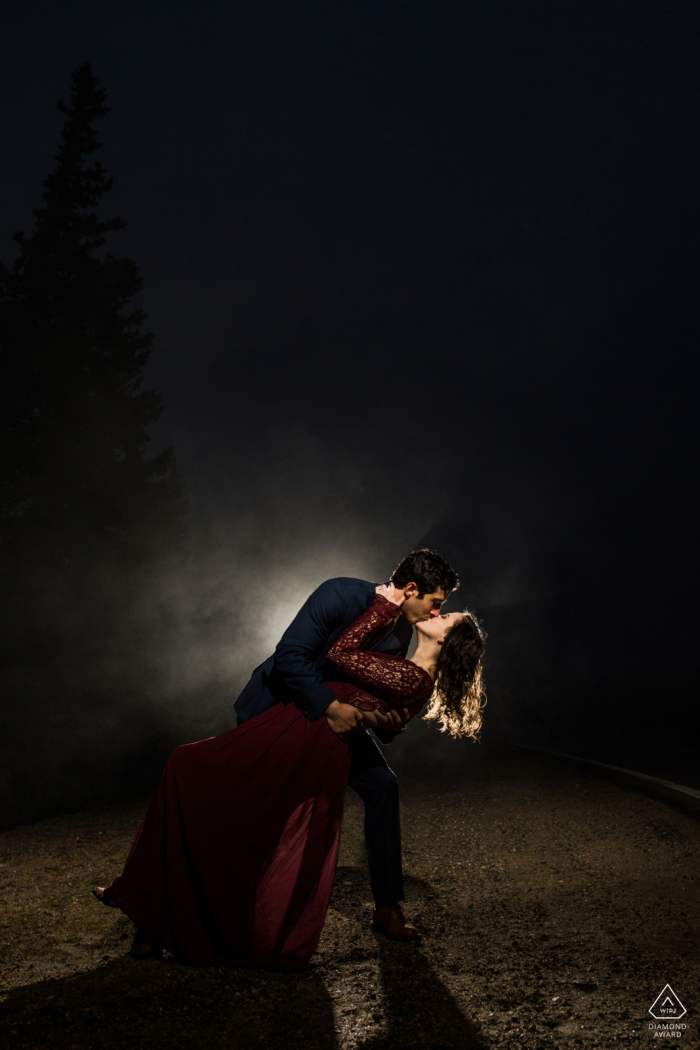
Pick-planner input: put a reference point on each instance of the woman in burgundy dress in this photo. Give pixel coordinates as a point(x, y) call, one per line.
point(235, 859)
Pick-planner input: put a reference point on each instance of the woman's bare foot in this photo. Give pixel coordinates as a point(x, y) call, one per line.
point(105, 896)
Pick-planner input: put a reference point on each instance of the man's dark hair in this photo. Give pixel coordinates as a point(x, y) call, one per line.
point(427, 570)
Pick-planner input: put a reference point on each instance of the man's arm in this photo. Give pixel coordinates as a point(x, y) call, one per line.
point(319, 617)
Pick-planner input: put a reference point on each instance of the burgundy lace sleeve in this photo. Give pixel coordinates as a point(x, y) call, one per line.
point(385, 681)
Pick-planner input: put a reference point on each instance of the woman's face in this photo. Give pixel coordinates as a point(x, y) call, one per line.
point(438, 628)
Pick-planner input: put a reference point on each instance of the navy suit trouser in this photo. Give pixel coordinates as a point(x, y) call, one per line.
point(378, 788)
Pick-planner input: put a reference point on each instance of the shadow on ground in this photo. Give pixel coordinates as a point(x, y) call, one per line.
point(380, 996)
point(418, 1009)
point(157, 1004)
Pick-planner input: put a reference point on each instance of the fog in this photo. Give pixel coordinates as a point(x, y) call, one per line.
point(98, 719)
point(413, 281)
point(96, 722)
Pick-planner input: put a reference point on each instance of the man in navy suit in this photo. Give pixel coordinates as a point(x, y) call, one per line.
point(296, 672)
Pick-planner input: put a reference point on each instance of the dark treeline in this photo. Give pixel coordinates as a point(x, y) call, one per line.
point(88, 515)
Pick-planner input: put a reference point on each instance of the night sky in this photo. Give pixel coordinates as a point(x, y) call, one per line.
point(420, 273)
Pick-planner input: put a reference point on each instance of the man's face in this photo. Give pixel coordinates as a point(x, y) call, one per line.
point(416, 609)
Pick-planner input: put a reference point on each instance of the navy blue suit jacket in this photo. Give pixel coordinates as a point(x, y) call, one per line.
point(297, 670)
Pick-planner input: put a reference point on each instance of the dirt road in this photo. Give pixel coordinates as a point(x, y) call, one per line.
point(554, 906)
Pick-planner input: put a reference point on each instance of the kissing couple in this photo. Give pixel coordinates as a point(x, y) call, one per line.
point(235, 859)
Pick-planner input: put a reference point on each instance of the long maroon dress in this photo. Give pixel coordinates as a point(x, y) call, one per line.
point(235, 859)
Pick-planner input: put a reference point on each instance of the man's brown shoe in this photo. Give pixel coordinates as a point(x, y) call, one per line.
point(143, 947)
point(392, 921)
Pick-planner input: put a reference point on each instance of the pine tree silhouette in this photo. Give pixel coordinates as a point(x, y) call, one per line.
point(90, 524)
point(77, 480)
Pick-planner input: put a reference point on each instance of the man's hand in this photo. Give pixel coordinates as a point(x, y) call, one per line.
point(343, 719)
point(392, 721)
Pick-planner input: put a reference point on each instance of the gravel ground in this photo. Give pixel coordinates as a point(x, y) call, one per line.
point(554, 906)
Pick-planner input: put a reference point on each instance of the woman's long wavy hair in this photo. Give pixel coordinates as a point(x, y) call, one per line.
point(459, 696)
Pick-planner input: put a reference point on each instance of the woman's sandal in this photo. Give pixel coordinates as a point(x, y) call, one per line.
point(105, 896)
point(142, 947)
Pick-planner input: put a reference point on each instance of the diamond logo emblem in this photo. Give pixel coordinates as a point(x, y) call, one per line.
point(667, 1005)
